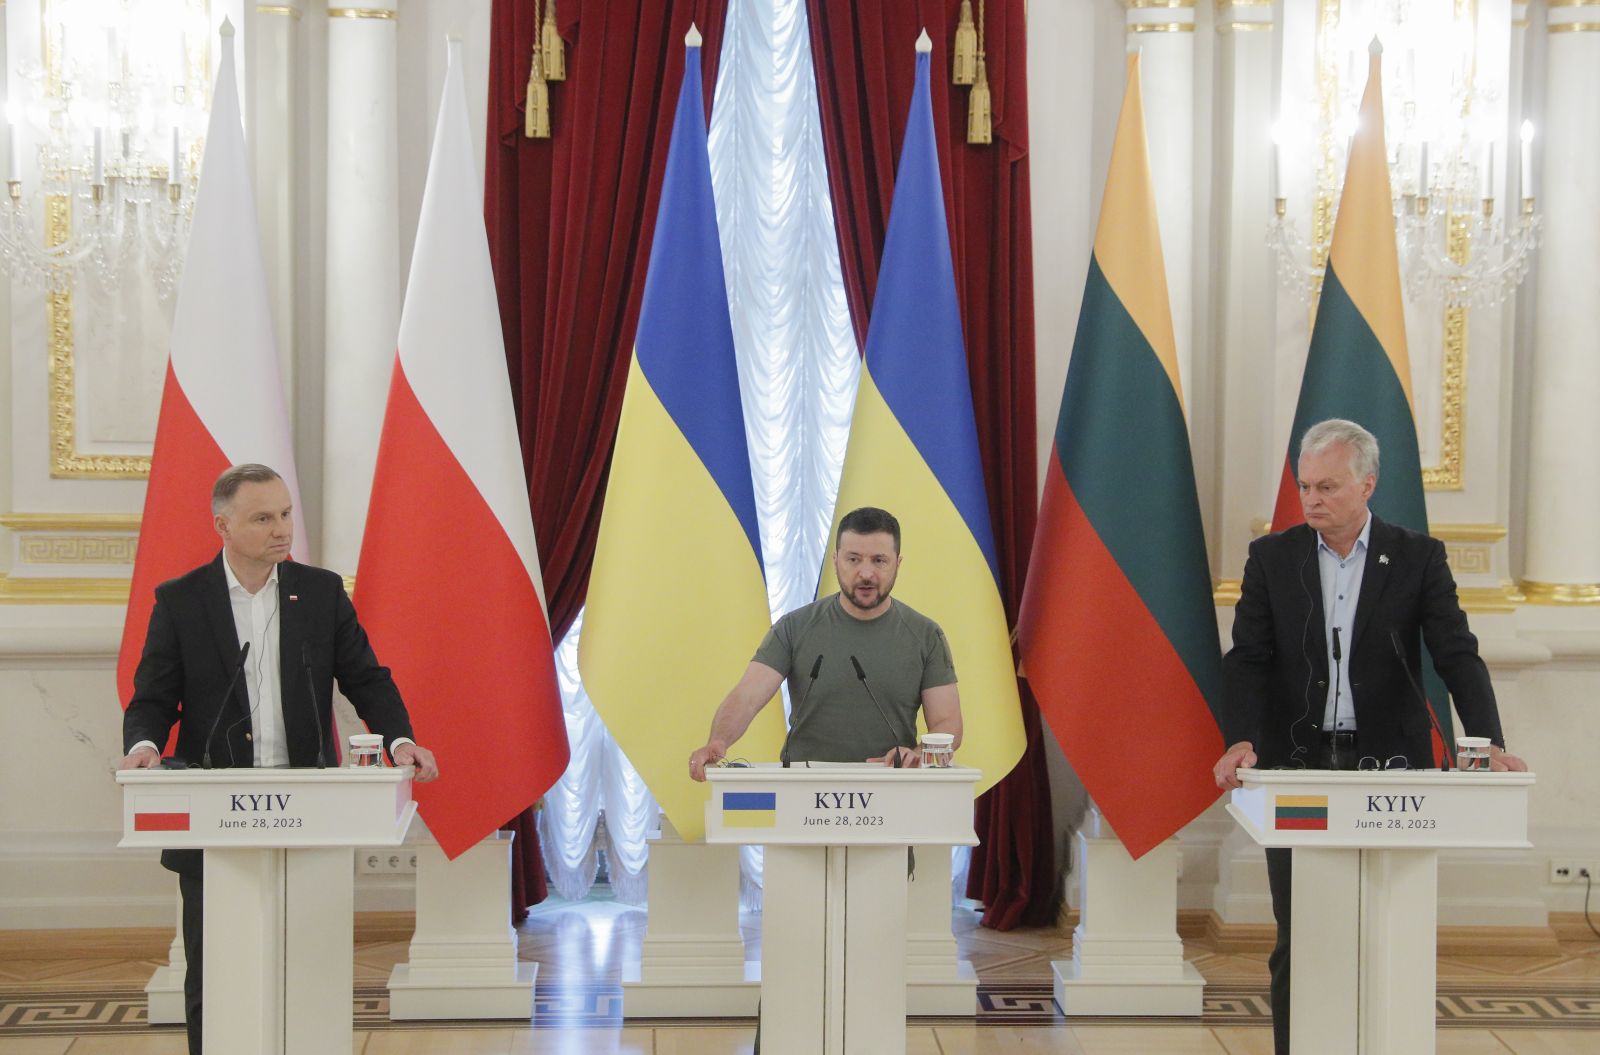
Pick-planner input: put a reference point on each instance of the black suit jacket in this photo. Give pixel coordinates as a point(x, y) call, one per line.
point(192, 648)
point(1275, 677)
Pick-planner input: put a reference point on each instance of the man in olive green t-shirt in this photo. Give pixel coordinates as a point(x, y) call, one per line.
point(829, 647)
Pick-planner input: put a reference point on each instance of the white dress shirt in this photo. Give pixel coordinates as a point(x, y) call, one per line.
point(1341, 589)
point(255, 618)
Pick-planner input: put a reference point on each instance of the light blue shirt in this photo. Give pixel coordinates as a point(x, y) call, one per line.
point(1341, 589)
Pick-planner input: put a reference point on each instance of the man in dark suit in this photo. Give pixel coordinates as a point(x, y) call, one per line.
point(301, 631)
point(1326, 653)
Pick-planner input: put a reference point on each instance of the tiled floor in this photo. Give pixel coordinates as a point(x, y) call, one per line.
point(1505, 1005)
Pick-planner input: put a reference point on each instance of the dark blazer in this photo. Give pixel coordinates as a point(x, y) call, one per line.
point(1275, 678)
point(192, 648)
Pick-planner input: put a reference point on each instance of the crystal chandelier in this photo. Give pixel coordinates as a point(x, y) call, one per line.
point(1453, 244)
point(101, 145)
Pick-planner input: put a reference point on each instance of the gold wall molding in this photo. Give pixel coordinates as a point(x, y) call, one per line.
point(1560, 593)
point(1225, 593)
point(1223, 5)
point(1572, 3)
point(71, 521)
point(383, 13)
point(1468, 559)
point(65, 460)
point(1574, 27)
point(1502, 598)
point(286, 10)
point(62, 590)
point(1161, 27)
point(1141, 5)
point(1447, 475)
point(1468, 532)
point(1243, 27)
point(77, 549)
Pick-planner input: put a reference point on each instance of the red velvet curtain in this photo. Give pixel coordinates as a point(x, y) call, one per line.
point(570, 220)
point(865, 60)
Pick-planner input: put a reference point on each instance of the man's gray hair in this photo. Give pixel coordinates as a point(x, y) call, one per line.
point(1363, 444)
point(237, 476)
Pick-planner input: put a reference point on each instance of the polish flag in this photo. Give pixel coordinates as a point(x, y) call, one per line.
point(222, 403)
point(448, 585)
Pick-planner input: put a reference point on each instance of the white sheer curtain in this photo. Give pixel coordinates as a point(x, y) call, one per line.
point(798, 369)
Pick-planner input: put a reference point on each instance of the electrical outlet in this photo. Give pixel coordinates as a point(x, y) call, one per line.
point(1564, 870)
point(389, 861)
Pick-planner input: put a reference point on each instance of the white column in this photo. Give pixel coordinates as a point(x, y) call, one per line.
point(463, 956)
point(163, 993)
point(1562, 561)
point(363, 277)
point(1164, 31)
point(1245, 289)
point(938, 981)
point(1127, 958)
point(692, 960)
point(277, 109)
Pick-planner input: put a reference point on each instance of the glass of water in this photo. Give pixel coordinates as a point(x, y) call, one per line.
point(938, 750)
point(366, 751)
point(1472, 754)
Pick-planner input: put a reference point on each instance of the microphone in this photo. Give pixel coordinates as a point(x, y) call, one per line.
point(898, 740)
point(783, 755)
point(316, 712)
point(1336, 693)
point(1438, 730)
point(205, 760)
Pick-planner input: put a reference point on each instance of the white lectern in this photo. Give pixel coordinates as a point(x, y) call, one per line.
point(833, 921)
point(1365, 894)
point(279, 889)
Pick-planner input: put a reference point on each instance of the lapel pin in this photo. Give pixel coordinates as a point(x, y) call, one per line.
point(1383, 558)
point(296, 597)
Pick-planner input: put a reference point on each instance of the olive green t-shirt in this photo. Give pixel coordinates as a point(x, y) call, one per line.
point(902, 653)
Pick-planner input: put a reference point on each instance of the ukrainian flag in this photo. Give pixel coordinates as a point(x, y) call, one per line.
point(677, 598)
point(914, 451)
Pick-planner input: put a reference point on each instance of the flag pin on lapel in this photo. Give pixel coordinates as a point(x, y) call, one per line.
point(1383, 558)
point(296, 597)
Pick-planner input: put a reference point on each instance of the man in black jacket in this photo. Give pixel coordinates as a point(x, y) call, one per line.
point(301, 631)
point(1326, 649)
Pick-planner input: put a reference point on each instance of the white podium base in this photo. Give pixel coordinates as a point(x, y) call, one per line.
point(464, 952)
point(719, 999)
point(1126, 955)
point(691, 962)
point(163, 993)
point(1180, 998)
point(938, 981)
point(498, 996)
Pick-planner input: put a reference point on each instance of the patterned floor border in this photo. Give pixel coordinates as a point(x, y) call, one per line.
point(1548, 1005)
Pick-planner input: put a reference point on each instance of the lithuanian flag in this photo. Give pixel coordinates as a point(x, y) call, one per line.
point(1117, 629)
point(1358, 367)
point(677, 599)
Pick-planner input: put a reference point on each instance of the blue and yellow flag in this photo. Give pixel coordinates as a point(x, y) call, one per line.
point(677, 599)
point(914, 451)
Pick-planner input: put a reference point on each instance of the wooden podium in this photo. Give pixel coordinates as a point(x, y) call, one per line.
point(279, 889)
point(1366, 876)
point(833, 922)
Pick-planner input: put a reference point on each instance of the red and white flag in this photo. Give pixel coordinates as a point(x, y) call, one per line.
point(448, 585)
point(222, 403)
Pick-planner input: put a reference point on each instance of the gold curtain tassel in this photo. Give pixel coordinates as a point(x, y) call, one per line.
point(980, 124)
point(537, 111)
point(555, 56)
point(964, 64)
